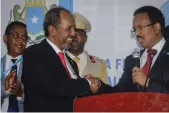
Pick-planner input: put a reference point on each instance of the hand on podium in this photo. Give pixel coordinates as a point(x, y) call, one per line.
point(95, 83)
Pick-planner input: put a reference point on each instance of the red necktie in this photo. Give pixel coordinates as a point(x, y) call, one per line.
point(61, 55)
point(150, 54)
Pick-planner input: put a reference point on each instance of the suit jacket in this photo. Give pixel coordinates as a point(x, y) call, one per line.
point(3, 77)
point(47, 86)
point(159, 75)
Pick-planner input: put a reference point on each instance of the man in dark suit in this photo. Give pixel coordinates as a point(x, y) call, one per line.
point(166, 33)
point(49, 83)
point(153, 74)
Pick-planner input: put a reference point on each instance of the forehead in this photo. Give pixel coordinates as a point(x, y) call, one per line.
point(141, 19)
point(19, 29)
point(67, 18)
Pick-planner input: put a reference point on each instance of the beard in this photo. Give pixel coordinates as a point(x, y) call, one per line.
point(67, 43)
point(66, 46)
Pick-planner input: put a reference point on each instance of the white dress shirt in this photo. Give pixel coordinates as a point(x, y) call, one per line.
point(158, 47)
point(57, 50)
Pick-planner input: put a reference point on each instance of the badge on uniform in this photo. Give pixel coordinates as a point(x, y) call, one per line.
point(92, 59)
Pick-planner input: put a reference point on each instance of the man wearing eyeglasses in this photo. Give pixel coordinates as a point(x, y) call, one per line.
point(87, 64)
point(153, 74)
point(11, 67)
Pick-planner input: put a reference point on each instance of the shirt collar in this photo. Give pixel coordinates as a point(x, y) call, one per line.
point(84, 53)
point(57, 50)
point(159, 45)
point(71, 55)
point(10, 57)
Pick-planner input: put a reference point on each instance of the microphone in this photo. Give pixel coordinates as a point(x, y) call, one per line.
point(136, 58)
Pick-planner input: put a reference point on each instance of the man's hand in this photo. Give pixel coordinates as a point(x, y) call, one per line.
point(9, 79)
point(95, 83)
point(139, 77)
point(16, 90)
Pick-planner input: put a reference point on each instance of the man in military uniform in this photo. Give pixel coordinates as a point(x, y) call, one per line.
point(87, 64)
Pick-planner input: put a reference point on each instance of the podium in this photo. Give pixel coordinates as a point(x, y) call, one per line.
point(123, 102)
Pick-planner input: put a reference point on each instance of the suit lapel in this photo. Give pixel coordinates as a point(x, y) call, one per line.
point(51, 58)
point(159, 64)
point(141, 52)
point(20, 69)
point(3, 60)
point(74, 65)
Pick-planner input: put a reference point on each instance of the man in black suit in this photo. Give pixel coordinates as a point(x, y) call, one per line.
point(166, 33)
point(153, 74)
point(49, 85)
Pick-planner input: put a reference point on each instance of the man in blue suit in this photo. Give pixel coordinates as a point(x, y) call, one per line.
point(11, 67)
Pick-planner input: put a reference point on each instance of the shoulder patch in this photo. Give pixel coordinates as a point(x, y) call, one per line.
point(101, 60)
point(97, 59)
point(92, 59)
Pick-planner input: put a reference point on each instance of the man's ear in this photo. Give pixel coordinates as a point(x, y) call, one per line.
point(52, 30)
point(157, 28)
point(85, 40)
point(5, 39)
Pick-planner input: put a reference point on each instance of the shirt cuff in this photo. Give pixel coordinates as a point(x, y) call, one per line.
point(19, 98)
point(8, 91)
point(88, 81)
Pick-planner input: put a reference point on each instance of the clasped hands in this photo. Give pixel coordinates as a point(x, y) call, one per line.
point(95, 83)
point(13, 89)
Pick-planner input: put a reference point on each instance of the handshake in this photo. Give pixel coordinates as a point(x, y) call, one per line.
point(95, 83)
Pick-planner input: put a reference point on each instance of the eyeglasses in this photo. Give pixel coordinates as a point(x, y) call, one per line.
point(17, 36)
point(80, 32)
point(140, 28)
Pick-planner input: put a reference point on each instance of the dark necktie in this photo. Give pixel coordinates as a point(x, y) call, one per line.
point(150, 54)
point(13, 103)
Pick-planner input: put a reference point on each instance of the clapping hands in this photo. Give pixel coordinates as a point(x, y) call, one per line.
point(14, 88)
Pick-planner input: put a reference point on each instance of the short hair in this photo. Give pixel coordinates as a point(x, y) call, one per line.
point(52, 17)
point(11, 25)
point(154, 14)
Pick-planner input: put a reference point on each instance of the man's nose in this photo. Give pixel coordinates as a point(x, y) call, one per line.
point(73, 31)
point(138, 32)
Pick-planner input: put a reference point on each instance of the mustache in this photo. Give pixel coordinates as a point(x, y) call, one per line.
point(139, 36)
